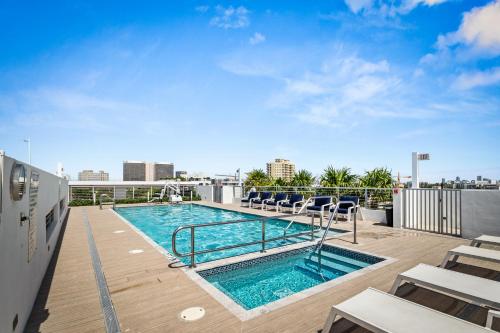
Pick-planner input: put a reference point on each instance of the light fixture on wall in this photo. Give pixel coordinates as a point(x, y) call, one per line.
point(17, 181)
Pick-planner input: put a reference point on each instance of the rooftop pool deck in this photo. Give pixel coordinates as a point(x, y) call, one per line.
point(148, 291)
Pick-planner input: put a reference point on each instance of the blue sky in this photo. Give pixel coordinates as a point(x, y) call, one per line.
point(214, 86)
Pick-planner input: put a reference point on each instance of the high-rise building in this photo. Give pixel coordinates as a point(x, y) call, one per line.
point(281, 168)
point(147, 171)
point(134, 170)
point(91, 175)
point(181, 174)
point(479, 178)
point(163, 171)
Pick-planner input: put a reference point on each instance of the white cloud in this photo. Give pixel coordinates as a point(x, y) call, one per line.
point(477, 79)
point(67, 109)
point(358, 5)
point(231, 17)
point(257, 38)
point(388, 8)
point(479, 30)
point(202, 8)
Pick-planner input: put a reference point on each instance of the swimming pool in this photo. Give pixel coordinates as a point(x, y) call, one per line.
point(263, 280)
point(159, 223)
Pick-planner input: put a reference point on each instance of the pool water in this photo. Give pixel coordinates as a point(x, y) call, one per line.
point(159, 223)
point(267, 279)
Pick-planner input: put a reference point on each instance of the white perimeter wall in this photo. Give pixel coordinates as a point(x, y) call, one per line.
point(20, 279)
point(206, 192)
point(480, 213)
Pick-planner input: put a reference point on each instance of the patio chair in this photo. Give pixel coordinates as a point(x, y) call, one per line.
point(251, 196)
point(279, 199)
point(264, 197)
point(346, 205)
point(320, 205)
point(296, 200)
point(485, 239)
point(471, 252)
point(381, 312)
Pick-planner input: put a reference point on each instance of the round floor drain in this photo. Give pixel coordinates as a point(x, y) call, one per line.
point(135, 251)
point(192, 314)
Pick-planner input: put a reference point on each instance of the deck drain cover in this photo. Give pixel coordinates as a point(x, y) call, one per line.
point(192, 314)
point(118, 231)
point(135, 251)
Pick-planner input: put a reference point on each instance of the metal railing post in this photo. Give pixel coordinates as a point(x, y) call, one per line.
point(354, 228)
point(312, 227)
point(193, 264)
point(366, 198)
point(263, 236)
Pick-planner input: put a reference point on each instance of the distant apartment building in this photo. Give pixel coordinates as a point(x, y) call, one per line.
point(181, 174)
point(281, 168)
point(147, 171)
point(91, 175)
point(163, 171)
point(134, 170)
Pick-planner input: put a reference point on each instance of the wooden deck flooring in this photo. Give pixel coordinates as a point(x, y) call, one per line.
point(148, 294)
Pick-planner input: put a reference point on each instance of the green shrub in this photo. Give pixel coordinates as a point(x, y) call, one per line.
point(81, 202)
point(131, 201)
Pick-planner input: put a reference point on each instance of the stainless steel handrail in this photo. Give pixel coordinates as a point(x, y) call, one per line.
point(263, 240)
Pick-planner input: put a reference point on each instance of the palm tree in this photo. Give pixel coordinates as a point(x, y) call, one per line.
point(302, 178)
point(342, 177)
point(279, 182)
point(257, 177)
point(378, 177)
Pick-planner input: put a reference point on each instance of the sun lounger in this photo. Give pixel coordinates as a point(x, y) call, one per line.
point(468, 287)
point(485, 239)
point(471, 252)
point(251, 196)
point(346, 205)
point(295, 201)
point(279, 198)
point(381, 312)
point(264, 197)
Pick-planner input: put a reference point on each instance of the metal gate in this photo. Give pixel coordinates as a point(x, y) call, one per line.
point(432, 210)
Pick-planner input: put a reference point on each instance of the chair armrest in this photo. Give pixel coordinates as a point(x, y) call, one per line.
point(266, 201)
point(326, 205)
point(298, 202)
point(492, 314)
point(278, 203)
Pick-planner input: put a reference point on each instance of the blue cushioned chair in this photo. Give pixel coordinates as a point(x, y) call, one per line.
point(251, 196)
point(320, 205)
point(279, 198)
point(346, 205)
point(264, 197)
point(296, 200)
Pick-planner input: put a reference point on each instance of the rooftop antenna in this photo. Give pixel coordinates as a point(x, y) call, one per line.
point(28, 141)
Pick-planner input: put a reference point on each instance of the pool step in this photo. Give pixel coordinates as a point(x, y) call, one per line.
point(348, 263)
point(314, 267)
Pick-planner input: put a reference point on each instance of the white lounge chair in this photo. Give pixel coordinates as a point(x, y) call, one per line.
point(485, 239)
point(471, 252)
point(468, 287)
point(381, 312)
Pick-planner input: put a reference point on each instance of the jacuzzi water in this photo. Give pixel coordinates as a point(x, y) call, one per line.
point(159, 223)
point(267, 279)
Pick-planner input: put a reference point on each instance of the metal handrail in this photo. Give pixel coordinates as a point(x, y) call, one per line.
point(303, 207)
point(263, 240)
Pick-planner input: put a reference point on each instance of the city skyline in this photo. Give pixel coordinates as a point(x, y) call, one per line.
point(217, 86)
